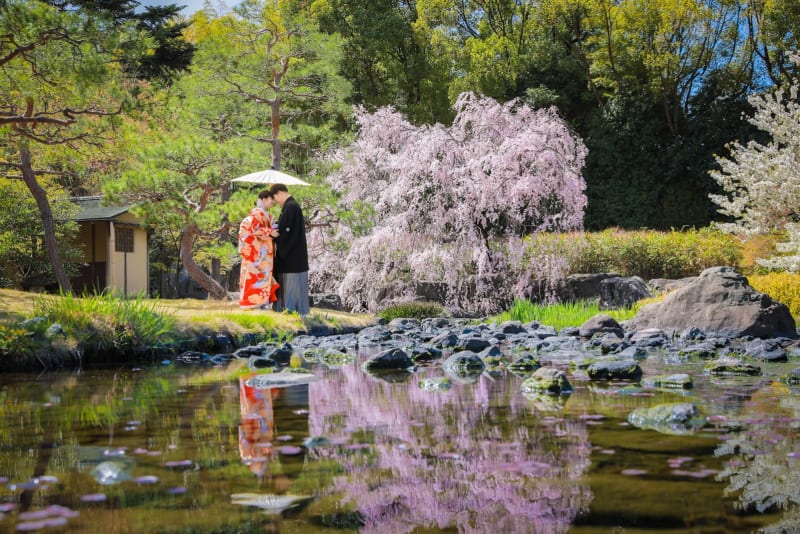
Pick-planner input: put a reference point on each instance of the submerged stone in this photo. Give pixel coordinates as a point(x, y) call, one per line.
point(464, 362)
point(675, 381)
point(672, 418)
point(793, 378)
point(435, 384)
point(731, 366)
point(546, 402)
point(280, 380)
point(524, 364)
point(269, 503)
point(112, 472)
point(547, 380)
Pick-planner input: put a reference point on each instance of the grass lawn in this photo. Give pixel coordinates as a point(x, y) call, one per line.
point(199, 315)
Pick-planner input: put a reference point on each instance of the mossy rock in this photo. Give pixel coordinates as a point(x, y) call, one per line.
point(674, 381)
point(547, 380)
point(732, 366)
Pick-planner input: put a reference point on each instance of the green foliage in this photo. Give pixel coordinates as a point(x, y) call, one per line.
point(781, 286)
point(22, 254)
point(560, 315)
point(14, 340)
point(412, 310)
point(105, 322)
point(645, 253)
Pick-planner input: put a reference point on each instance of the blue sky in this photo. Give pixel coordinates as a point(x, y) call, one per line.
point(191, 5)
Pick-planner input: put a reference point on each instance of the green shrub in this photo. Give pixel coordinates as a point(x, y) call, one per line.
point(560, 315)
point(104, 322)
point(412, 310)
point(645, 253)
point(781, 286)
point(14, 340)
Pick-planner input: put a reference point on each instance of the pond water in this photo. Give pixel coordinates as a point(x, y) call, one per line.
point(182, 449)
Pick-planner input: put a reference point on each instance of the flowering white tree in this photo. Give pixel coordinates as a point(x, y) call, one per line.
point(451, 204)
point(761, 181)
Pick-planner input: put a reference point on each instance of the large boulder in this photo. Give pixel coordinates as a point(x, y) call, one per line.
point(720, 302)
point(582, 286)
point(621, 292)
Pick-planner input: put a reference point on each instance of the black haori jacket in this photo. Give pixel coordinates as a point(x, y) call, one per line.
point(291, 250)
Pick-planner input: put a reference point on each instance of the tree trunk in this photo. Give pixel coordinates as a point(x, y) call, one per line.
point(215, 290)
point(276, 132)
point(46, 214)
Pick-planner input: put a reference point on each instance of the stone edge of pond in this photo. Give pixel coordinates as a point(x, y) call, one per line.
point(54, 354)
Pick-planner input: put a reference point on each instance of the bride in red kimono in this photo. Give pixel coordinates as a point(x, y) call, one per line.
point(257, 285)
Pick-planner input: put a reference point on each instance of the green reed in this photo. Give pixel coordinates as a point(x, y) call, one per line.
point(560, 315)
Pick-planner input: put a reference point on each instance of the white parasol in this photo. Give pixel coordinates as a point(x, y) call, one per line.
point(270, 176)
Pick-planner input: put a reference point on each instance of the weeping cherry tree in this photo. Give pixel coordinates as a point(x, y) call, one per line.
point(450, 205)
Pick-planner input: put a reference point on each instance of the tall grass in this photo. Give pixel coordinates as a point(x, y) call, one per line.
point(105, 322)
point(560, 315)
point(412, 310)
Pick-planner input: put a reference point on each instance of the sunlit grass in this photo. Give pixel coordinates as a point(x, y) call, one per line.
point(187, 315)
point(106, 321)
point(560, 315)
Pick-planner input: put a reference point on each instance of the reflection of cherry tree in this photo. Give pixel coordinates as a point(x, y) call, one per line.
point(765, 458)
point(450, 458)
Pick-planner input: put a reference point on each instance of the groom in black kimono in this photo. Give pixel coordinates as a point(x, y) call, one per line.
point(291, 254)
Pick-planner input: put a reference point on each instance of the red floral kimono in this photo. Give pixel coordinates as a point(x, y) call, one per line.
point(257, 284)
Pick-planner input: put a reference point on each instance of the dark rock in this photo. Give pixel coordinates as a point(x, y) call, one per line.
point(666, 285)
point(622, 292)
point(328, 301)
point(511, 327)
point(720, 302)
point(601, 323)
point(472, 343)
point(389, 359)
point(649, 337)
point(692, 333)
point(766, 350)
point(699, 350)
point(374, 334)
point(424, 353)
point(445, 340)
point(281, 354)
point(582, 286)
point(614, 370)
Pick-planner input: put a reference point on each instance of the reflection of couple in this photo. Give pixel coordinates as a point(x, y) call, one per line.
point(257, 427)
point(274, 271)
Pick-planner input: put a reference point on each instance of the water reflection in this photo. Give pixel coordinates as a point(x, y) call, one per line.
point(765, 455)
point(257, 427)
point(475, 458)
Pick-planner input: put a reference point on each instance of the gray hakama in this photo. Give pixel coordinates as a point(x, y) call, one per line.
point(294, 293)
